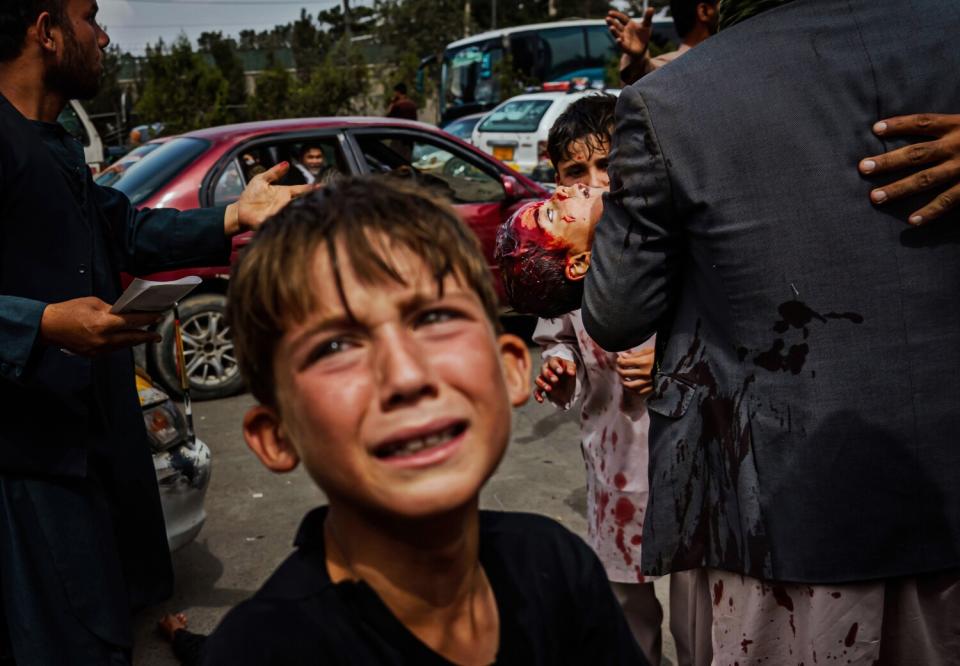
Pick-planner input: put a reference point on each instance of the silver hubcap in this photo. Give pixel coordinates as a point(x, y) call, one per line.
point(208, 350)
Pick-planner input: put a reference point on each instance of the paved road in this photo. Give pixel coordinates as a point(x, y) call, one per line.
point(253, 514)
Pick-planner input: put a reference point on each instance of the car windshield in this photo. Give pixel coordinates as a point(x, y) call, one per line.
point(115, 171)
point(462, 128)
point(144, 178)
point(519, 115)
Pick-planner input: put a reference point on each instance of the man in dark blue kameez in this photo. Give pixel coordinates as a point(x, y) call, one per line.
point(82, 540)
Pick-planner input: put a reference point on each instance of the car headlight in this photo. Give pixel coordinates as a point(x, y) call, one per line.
point(165, 425)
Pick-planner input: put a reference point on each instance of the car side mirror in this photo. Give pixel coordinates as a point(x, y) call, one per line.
point(511, 186)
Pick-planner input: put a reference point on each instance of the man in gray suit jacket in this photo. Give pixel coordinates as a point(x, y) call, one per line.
point(807, 403)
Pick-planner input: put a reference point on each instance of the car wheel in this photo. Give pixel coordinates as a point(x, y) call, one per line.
point(207, 349)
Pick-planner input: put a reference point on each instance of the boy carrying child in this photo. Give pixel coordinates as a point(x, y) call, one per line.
point(544, 251)
point(384, 370)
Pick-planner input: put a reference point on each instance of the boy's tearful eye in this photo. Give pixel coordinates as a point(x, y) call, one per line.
point(326, 349)
point(437, 316)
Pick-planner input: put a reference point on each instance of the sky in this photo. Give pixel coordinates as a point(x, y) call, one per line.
point(134, 23)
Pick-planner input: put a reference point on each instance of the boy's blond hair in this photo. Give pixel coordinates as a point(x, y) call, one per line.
point(370, 217)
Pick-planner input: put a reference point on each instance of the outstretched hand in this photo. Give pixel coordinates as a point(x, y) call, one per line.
point(632, 37)
point(85, 326)
point(557, 380)
point(936, 163)
point(262, 199)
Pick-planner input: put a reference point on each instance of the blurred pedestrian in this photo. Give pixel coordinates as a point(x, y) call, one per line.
point(694, 21)
point(401, 106)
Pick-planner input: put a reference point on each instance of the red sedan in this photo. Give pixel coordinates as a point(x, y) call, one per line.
point(211, 167)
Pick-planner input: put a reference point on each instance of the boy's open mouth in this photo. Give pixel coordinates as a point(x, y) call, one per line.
point(413, 445)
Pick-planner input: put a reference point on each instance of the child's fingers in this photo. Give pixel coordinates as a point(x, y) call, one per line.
point(562, 366)
point(547, 374)
point(544, 385)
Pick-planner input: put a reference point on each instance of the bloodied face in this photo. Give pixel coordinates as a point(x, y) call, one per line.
point(395, 396)
point(567, 220)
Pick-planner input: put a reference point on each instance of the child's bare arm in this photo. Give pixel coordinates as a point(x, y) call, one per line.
point(561, 353)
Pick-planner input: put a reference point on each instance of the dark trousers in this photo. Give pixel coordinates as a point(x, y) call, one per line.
point(64, 600)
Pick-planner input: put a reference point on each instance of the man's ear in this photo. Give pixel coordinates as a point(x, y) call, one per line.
point(44, 30)
point(516, 367)
point(265, 437)
point(577, 266)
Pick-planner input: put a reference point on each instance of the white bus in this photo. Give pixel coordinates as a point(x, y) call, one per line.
point(541, 53)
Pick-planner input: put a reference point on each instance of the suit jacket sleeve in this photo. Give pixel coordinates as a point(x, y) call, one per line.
point(631, 284)
point(152, 240)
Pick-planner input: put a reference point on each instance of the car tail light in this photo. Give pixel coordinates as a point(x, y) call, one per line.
point(165, 425)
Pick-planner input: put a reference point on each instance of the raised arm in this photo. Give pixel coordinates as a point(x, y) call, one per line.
point(634, 272)
point(164, 238)
point(633, 38)
point(561, 374)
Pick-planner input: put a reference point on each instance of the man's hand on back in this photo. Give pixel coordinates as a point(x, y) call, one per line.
point(262, 199)
point(85, 326)
point(936, 163)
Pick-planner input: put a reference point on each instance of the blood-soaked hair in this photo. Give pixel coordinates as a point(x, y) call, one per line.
point(590, 119)
point(533, 269)
point(360, 221)
point(16, 16)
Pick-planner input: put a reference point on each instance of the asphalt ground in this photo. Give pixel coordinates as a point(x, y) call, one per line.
point(253, 514)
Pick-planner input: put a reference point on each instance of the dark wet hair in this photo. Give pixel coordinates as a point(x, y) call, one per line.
point(360, 221)
point(589, 119)
point(16, 16)
point(684, 13)
point(534, 274)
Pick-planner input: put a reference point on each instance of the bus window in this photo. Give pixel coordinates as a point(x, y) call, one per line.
point(565, 52)
point(467, 75)
point(600, 47)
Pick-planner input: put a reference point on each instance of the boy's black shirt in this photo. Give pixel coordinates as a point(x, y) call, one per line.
point(555, 604)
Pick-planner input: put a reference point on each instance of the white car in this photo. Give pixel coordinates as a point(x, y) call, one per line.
point(516, 131)
point(182, 467)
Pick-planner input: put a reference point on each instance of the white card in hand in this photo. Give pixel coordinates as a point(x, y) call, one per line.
point(150, 296)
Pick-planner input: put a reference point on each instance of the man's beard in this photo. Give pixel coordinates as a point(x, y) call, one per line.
point(73, 77)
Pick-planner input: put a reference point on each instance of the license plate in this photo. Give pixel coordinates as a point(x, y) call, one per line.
point(503, 153)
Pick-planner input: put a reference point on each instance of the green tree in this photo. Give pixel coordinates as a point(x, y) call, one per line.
point(181, 89)
point(274, 95)
point(421, 27)
point(335, 86)
point(224, 54)
point(308, 44)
